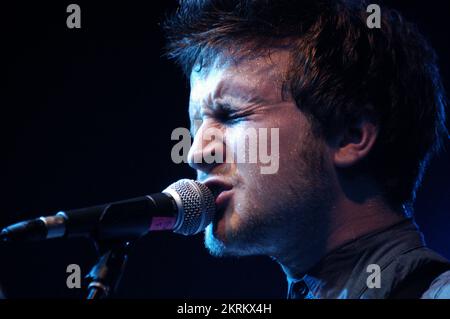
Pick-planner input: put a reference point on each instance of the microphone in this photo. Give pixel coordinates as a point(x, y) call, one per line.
point(185, 207)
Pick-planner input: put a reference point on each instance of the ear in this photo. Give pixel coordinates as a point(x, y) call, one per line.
point(355, 143)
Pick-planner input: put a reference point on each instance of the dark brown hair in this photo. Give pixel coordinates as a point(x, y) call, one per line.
point(342, 70)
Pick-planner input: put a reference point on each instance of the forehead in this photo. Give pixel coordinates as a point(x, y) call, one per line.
point(226, 75)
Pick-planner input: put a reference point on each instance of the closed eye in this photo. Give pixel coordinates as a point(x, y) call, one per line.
point(228, 118)
point(223, 113)
point(228, 115)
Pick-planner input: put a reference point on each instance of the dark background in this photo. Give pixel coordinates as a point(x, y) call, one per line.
point(86, 118)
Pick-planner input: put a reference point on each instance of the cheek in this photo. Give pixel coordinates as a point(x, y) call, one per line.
point(243, 143)
point(294, 132)
point(252, 146)
point(273, 142)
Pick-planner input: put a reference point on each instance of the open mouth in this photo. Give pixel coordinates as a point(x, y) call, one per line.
point(223, 198)
point(223, 193)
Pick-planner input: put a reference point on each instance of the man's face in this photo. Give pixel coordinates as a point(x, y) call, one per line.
point(257, 213)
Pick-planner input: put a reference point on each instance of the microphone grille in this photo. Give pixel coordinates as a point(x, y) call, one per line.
point(196, 207)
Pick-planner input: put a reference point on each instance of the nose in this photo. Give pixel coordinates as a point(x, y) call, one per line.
point(208, 149)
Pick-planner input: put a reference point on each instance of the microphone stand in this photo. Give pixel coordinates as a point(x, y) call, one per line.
point(105, 275)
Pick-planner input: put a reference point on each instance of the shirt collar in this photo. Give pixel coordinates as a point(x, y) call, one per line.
point(342, 273)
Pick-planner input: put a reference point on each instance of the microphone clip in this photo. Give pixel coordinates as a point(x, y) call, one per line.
point(105, 275)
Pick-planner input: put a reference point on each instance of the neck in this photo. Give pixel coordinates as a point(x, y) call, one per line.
point(347, 221)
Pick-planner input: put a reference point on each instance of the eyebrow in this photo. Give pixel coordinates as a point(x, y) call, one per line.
point(221, 96)
point(227, 101)
point(221, 104)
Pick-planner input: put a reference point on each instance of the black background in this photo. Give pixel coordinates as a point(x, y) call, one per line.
point(86, 118)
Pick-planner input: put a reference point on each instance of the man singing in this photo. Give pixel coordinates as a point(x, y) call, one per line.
point(360, 112)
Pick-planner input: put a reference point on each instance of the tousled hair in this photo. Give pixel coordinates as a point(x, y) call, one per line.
point(340, 71)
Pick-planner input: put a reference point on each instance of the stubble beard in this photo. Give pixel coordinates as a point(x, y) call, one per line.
point(294, 220)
